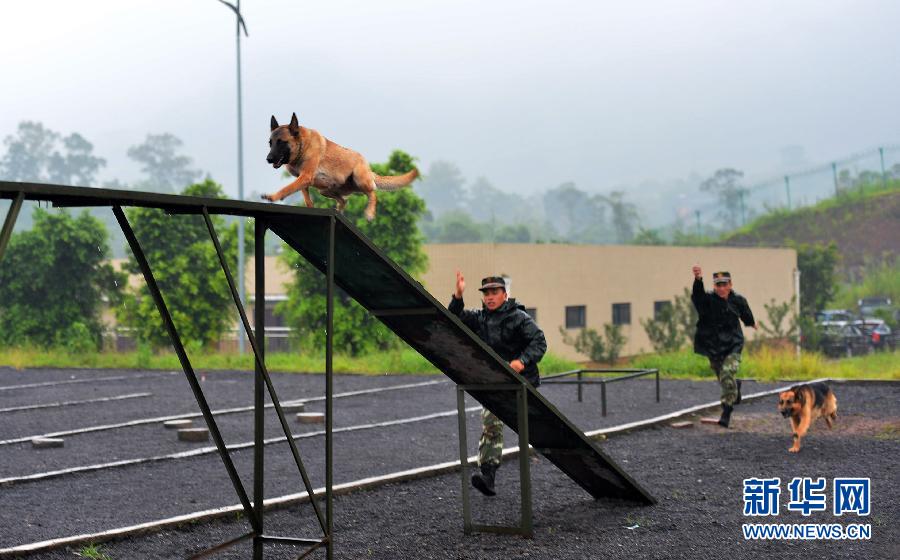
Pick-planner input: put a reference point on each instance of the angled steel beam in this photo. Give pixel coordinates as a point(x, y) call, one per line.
point(259, 349)
point(186, 365)
point(261, 366)
point(11, 216)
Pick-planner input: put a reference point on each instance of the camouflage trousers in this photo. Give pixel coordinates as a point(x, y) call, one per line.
point(726, 371)
point(490, 446)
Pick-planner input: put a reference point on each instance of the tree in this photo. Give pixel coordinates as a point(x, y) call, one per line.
point(187, 269)
point(594, 345)
point(664, 331)
point(395, 232)
point(33, 155)
point(166, 171)
point(725, 184)
point(456, 226)
point(624, 215)
point(53, 281)
point(776, 328)
point(648, 237)
point(442, 188)
point(577, 216)
point(818, 281)
point(685, 315)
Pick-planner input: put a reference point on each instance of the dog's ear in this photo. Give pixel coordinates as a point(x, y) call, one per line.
point(273, 124)
point(294, 127)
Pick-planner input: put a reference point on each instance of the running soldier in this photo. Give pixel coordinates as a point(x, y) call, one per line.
point(503, 325)
point(719, 336)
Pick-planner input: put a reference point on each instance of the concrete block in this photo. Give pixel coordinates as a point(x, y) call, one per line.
point(310, 417)
point(193, 434)
point(47, 443)
point(178, 424)
point(293, 407)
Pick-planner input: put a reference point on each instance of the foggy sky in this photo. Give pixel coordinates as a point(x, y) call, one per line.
point(528, 94)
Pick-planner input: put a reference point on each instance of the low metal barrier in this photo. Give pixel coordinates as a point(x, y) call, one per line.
point(629, 374)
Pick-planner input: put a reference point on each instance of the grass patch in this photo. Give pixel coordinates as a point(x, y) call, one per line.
point(771, 365)
point(403, 361)
point(94, 551)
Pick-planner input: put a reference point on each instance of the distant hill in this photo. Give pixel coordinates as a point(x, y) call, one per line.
point(865, 226)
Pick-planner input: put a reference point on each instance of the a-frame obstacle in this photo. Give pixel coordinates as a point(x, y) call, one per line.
point(350, 261)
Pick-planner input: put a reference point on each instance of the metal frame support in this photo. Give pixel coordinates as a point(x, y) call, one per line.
point(525, 527)
point(186, 364)
point(631, 374)
point(9, 223)
point(262, 383)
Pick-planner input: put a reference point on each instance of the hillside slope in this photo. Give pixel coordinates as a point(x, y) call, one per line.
point(865, 227)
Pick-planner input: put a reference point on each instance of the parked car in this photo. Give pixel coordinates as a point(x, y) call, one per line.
point(879, 333)
point(844, 340)
point(870, 305)
point(827, 316)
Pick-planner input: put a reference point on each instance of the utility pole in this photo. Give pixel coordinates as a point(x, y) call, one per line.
point(834, 175)
point(697, 212)
point(743, 211)
point(240, 162)
point(787, 187)
point(883, 174)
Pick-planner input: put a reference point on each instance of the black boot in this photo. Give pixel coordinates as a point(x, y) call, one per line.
point(726, 415)
point(738, 399)
point(484, 482)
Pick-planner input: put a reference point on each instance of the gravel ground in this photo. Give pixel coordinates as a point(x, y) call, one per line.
point(422, 519)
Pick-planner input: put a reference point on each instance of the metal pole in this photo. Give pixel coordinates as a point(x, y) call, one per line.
point(240, 162)
point(524, 462)
point(743, 212)
point(259, 323)
point(834, 176)
point(787, 187)
point(463, 459)
point(580, 373)
point(11, 216)
point(698, 223)
point(657, 385)
point(883, 174)
point(329, 392)
point(260, 364)
point(603, 398)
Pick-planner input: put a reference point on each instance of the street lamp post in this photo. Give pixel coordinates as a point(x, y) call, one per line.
point(240, 161)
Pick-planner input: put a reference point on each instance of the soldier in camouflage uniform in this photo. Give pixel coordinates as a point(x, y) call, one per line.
point(503, 325)
point(719, 336)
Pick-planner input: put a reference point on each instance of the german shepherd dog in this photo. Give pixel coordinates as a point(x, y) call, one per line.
point(318, 162)
point(803, 404)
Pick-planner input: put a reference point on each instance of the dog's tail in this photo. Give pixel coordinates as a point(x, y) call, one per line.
point(395, 182)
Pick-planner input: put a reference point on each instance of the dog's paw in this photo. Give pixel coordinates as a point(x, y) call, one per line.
point(794, 450)
point(268, 197)
point(370, 216)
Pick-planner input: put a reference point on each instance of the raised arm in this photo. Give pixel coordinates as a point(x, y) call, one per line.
point(698, 293)
point(458, 307)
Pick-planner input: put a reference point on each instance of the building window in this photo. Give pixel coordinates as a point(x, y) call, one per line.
point(621, 313)
point(532, 311)
point(575, 316)
point(659, 306)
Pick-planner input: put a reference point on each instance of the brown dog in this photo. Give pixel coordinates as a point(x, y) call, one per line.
point(803, 404)
point(318, 162)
